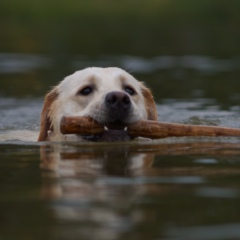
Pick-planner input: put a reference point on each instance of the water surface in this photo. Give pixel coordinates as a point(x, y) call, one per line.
point(174, 188)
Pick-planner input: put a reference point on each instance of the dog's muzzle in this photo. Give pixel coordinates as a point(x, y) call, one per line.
point(118, 106)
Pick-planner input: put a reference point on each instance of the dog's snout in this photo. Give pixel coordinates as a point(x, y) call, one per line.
point(117, 100)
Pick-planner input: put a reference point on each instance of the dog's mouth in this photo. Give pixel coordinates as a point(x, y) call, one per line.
point(115, 131)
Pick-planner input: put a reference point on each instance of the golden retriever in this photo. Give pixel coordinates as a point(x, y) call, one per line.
point(108, 95)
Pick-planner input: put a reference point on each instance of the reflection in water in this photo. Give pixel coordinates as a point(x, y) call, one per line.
point(137, 190)
point(93, 188)
point(141, 191)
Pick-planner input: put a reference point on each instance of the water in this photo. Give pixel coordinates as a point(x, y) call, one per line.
point(174, 188)
point(120, 191)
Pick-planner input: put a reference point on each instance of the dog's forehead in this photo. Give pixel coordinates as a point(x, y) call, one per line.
point(108, 77)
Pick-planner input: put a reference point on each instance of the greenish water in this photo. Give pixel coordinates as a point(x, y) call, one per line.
point(188, 53)
point(120, 191)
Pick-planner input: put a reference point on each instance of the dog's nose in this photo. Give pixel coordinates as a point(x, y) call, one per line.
point(117, 101)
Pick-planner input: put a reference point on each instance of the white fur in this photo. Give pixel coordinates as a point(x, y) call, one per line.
point(105, 80)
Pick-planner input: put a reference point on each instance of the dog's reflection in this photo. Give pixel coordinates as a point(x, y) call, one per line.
point(77, 161)
point(74, 166)
point(109, 187)
point(78, 171)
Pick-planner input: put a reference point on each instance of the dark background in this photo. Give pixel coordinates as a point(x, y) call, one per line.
point(181, 49)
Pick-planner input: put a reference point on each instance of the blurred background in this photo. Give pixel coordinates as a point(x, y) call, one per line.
point(182, 49)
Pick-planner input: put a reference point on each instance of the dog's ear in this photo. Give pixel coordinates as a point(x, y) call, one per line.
point(149, 104)
point(45, 124)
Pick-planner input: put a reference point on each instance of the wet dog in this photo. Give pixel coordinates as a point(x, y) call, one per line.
point(110, 96)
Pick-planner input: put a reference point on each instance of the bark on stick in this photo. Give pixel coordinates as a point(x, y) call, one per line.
point(144, 128)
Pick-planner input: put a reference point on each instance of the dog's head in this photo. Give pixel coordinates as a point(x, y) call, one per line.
point(108, 95)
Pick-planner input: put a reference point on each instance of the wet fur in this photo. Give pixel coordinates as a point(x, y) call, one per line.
point(65, 100)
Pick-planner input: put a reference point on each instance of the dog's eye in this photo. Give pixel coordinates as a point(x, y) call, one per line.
point(129, 90)
point(86, 91)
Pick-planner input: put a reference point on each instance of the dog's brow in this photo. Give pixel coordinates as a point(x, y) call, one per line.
point(122, 79)
point(92, 79)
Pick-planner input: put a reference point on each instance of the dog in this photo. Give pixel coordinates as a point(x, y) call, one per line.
point(107, 95)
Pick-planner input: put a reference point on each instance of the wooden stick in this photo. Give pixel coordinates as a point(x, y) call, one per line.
point(144, 128)
point(80, 125)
